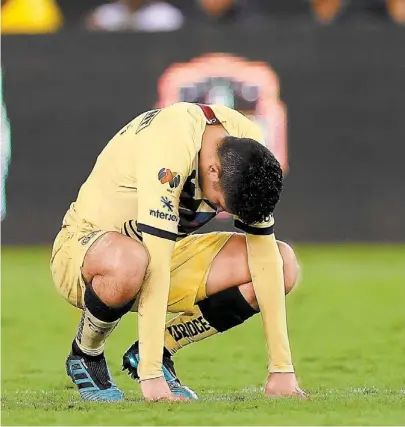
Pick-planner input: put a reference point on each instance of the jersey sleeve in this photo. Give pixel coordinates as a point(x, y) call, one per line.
point(266, 268)
point(163, 163)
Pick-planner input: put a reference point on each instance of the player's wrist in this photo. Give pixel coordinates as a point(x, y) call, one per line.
point(281, 375)
point(278, 369)
point(150, 377)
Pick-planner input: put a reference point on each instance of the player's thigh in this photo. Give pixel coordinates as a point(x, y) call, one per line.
point(68, 253)
point(230, 267)
point(190, 265)
point(116, 256)
point(79, 256)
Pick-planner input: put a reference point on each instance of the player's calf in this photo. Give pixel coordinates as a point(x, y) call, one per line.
point(113, 269)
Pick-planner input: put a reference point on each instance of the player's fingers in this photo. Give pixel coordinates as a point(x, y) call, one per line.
point(172, 398)
point(296, 393)
point(181, 398)
point(300, 393)
point(277, 393)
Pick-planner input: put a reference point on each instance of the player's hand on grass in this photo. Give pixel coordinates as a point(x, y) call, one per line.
point(283, 384)
point(157, 389)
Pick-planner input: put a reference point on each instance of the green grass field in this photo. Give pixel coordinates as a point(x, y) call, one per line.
point(347, 329)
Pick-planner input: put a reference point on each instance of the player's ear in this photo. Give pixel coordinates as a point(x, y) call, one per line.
point(214, 172)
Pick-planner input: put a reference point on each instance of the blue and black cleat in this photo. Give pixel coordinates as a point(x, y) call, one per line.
point(130, 362)
point(93, 378)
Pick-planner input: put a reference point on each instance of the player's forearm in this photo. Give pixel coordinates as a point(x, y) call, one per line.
point(152, 312)
point(152, 316)
point(266, 267)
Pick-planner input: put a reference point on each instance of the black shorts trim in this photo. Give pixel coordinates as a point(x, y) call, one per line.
point(254, 230)
point(143, 228)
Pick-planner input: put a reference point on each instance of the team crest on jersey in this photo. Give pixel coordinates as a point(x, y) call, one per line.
point(167, 176)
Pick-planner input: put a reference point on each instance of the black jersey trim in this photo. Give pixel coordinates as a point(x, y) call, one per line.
point(134, 231)
point(125, 230)
point(254, 230)
point(157, 232)
point(211, 205)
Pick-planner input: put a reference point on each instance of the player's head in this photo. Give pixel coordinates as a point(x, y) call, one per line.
point(249, 179)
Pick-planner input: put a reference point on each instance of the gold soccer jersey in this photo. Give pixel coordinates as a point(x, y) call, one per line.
point(145, 185)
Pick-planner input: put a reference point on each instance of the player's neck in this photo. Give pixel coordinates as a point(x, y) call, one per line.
point(212, 136)
point(208, 156)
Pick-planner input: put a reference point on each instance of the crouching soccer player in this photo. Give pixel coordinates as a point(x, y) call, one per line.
point(126, 244)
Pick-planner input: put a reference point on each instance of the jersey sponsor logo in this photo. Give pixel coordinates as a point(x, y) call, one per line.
point(147, 120)
point(167, 176)
point(189, 329)
point(167, 203)
point(163, 215)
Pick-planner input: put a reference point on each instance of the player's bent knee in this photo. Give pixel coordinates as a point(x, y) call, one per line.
point(131, 264)
point(291, 271)
point(248, 293)
point(130, 270)
point(291, 268)
point(116, 265)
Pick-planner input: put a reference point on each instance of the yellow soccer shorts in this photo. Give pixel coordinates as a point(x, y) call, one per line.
point(191, 262)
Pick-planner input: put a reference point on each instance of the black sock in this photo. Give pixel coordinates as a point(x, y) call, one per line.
point(97, 323)
point(226, 309)
point(217, 313)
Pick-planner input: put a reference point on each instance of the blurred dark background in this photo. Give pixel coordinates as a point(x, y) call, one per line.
point(250, 10)
point(78, 71)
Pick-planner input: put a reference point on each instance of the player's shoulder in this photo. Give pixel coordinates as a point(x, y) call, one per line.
point(174, 119)
point(237, 124)
point(183, 116)
point(179, 109)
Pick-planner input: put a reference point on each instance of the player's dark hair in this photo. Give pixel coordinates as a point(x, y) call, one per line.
point(251, 178)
